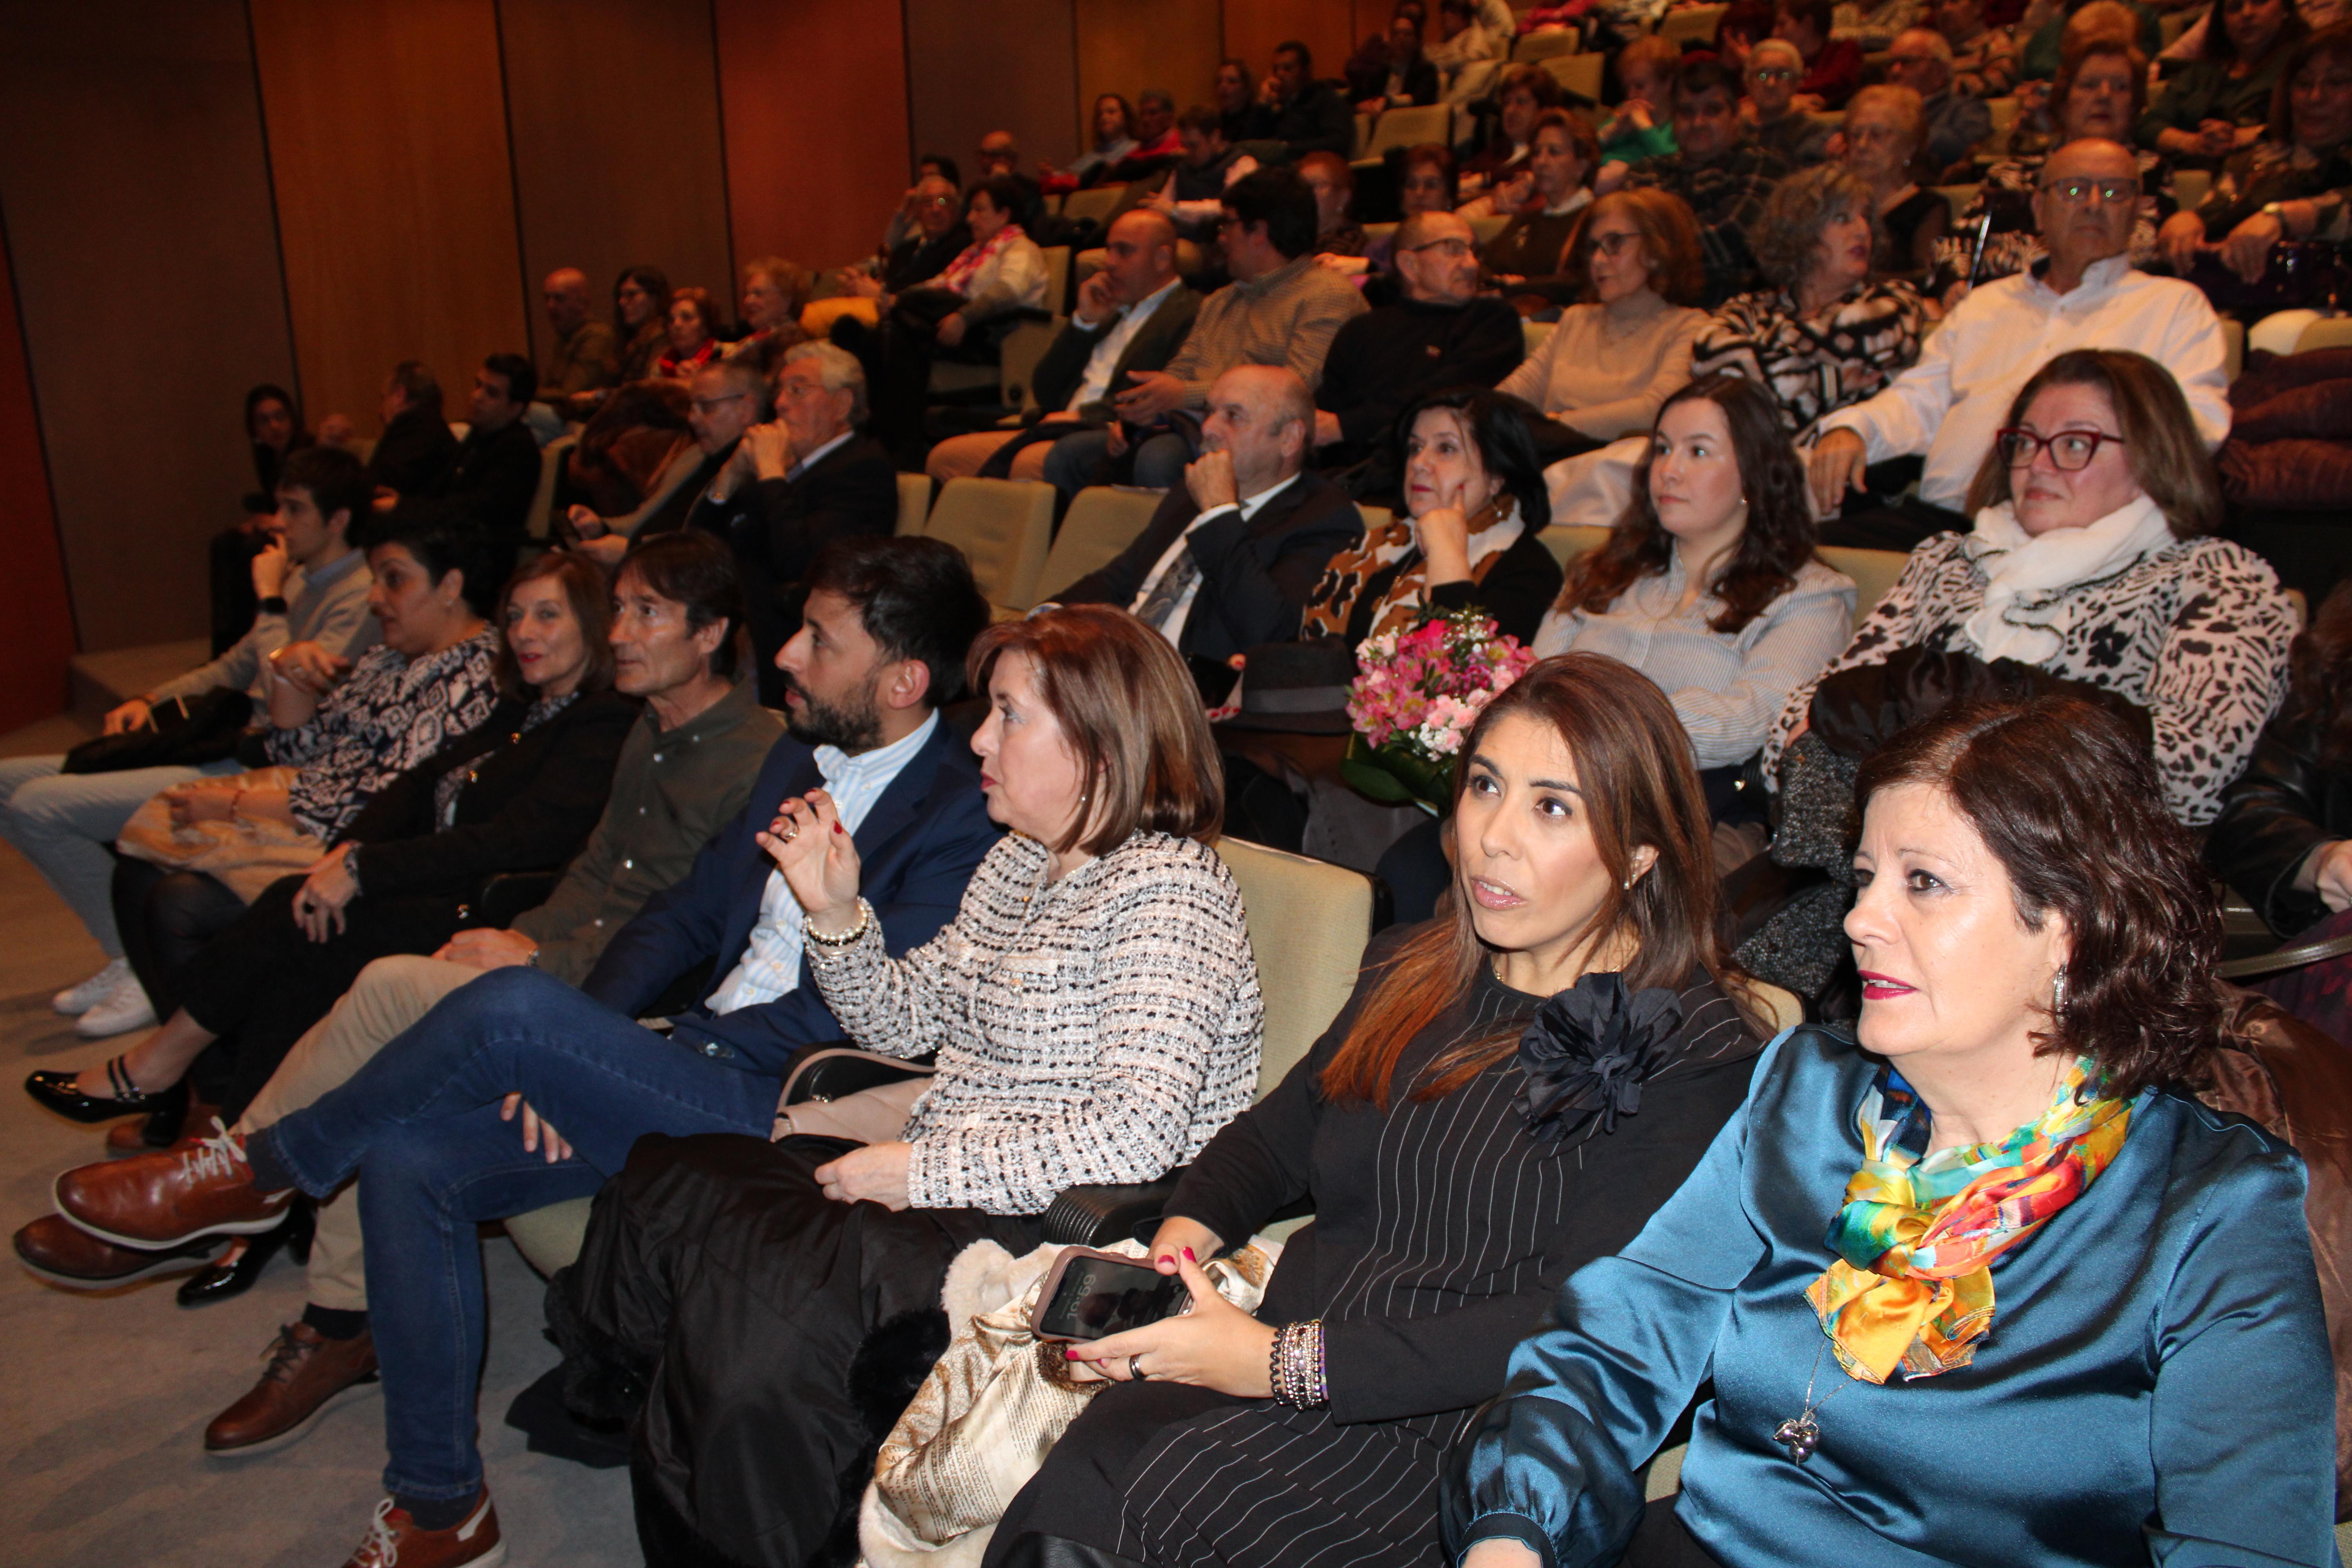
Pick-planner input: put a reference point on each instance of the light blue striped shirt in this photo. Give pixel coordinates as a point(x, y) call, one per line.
point(771, 960)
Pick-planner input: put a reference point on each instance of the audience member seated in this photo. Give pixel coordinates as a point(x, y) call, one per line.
point(422, 1124)
point(1880, 143)
point(1000, 158)
point(1131, 317)
point(1872, 23)
point(1192, 196)
point(1425, 184)
point(1392, 71)
point(1832, 65)
point(1464, 40)
point(1231, 556)
point(2098, 94)
point(1303, 114)
point(1774, 124)
point(684, 770)
point(726, 398)
point(1829, 334)
point(1948, 407)
point(1583, 887)
point(775, 291)
point(417, 449)
point(1282, 308)
point(1546, 199)
point(903, 223)
point(812, 479)
point(1475, 504)
point(274, 430)
point(2040, 55)
point(1957, 122)
point(1724, 176)
point(583, 356)
point(2283, 839)
point(1522, 96)
point(1709, 585)
point(1642, 126)
point(1984, 60)
point(1155, 135)
point(2036, 941)
point(1611, 363)
point(1113, 122)
point(1742, 27)
point(937, 236)
point(2217, 103)
point(312, 587)
point(496, 474)
point(693, 340)
point(640, 298)
point(517, 793)
point(1236, 99)
point(1339, 240)
point(1442, 333)
point(2292, 184)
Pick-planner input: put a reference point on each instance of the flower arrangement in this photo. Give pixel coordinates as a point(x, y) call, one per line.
point(1418, 693)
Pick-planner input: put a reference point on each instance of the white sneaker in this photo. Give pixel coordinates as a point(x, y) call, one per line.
point(126, 1007)
point(79, 999)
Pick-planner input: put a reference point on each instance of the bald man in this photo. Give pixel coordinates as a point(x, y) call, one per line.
point(1945, 408)
point(1129, 319)
point(1233, 553)
point(1957, 124)
point(584, 356)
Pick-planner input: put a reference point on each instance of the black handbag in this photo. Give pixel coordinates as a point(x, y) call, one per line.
point(186, 732)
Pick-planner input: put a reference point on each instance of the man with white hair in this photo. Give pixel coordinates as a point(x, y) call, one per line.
point(1774, 68)
point(584, 354)
point(1957, 126)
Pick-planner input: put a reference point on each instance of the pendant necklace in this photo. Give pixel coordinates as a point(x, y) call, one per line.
point(1800, 1434)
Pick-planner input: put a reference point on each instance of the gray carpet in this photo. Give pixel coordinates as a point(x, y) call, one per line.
point(103, 1399)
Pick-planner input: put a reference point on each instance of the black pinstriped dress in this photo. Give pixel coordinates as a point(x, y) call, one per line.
point(1443, 1230)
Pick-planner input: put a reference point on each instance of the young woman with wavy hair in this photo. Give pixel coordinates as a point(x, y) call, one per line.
point(1513, 1088)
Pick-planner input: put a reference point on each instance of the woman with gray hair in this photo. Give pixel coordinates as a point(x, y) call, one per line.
point(1827, 333)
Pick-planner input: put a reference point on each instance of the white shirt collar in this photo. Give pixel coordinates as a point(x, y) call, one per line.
point(833, 762)
point(805, 463)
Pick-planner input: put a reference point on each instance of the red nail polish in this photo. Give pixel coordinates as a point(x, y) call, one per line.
point(837, 827)
point(1069, 1355)
point(1189, 1257)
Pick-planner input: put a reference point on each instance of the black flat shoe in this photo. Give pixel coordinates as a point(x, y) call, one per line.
point(235, 1276)
point(56, 1091)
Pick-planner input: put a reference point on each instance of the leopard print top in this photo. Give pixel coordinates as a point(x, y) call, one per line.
point(2196, 632)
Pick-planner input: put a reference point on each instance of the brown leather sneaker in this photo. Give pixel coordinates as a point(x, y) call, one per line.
point(306, 1370)
point(65, 1254)
point(393, 1538)
point(201, 1188)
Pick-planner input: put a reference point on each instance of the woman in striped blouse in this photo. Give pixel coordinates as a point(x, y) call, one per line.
point(1513, 1088)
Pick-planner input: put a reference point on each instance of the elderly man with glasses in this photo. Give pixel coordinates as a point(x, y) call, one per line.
point(1947, 407)
point(1956, 125)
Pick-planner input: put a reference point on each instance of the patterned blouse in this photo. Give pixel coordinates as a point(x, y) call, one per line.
point(392, 714)
point(1819, 364)
point(1098, 1029)
point(2196, 632)
point(2007, 189)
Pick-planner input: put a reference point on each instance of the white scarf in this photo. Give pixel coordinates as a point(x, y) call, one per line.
point(2029, 576)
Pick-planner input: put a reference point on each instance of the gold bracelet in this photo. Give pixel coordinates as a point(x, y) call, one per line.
point(864, 919)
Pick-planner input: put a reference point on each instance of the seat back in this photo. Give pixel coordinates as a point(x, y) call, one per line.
point(1534, 334)
point(1098, 204)
point(2334, 332)
point(1003, 527)
point(1023, 346)
point(1376, 517)
point(683, 463)
point(1057, 278)
point(1956, 199)
point(1485, 230)
point(1567, 542)
point(1546, 45)
point(2005, 120)
point(2191, 187)
point(1409, 128)
point(1691, 24)
point(1873, 571)
point(1577, 73)
point(1308, 922)
point(552, 459)
point(1101, 522)
point(914, 502)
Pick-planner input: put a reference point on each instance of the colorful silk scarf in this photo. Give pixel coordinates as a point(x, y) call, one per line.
point(959, 272)
point(1912, 1286)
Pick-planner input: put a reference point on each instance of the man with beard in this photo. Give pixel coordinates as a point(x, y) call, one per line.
point(881, 647)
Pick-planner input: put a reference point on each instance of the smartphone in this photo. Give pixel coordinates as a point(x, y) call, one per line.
point(1092, 1295)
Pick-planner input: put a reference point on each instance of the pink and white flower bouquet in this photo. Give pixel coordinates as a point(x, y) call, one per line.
point(1416, 695)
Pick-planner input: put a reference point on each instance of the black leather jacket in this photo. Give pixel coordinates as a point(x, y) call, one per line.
point(2285, 804)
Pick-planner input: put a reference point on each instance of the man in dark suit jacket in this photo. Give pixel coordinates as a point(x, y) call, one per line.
point(1231, 557)
point(1303, 114)
point(414, 455)
point(496, 476)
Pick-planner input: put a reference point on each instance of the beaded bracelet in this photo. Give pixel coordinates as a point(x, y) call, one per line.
point(865, 920)
point(1294, 1366)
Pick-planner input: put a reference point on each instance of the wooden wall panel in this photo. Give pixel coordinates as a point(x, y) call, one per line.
point(813, 99)
point(1253, 28)
point(612, 110)
point(136, 197)
point(36, 635)
point(395, 193)
point(1127, 46)
point(977, 66)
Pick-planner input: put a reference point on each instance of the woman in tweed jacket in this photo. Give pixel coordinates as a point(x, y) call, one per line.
point(1095, 1012)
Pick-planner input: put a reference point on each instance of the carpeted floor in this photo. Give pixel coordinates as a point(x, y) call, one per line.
point(103, 1399)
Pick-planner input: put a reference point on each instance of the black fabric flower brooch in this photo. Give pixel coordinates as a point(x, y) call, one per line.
point(1590, 1050)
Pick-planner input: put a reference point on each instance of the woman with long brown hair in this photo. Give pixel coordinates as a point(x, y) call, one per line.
point(1512, 1090)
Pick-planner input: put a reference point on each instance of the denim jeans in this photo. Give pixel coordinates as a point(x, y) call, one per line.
point(1078, 461)
point(66, 825)
point(449, 1163)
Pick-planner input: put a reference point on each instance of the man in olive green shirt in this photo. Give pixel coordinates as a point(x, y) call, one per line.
point(586, 354)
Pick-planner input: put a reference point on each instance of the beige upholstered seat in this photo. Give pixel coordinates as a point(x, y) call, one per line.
point(1692, 25)
point(1102, 522)
point(542, 501)
point(914, 502)
point(1096, 203)
point(1003, 527)
point(1567, 542)
point(1534, 47)
point(1577, 74)
point(1873, 571)
point(1409, 128)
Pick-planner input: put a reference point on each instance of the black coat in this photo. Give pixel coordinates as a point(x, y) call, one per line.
point(1255, 576)
point(1317, 120)
point(1064, 366)
point(1385, 359)
point(491, 486)
point(776, 527)
point(414, 454)
point(2285, 804)
point(1516, 591)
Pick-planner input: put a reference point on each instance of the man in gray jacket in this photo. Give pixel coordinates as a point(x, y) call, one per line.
point(313, 587)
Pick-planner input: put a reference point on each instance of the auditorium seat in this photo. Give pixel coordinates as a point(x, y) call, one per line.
point(914, 502)
point(1408, 128)
point(1004, 527)
point(1873, 571)
point(1101, 522)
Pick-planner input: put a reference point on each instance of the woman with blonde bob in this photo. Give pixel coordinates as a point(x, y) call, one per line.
point(1550, 1054)
point(1096, 1013)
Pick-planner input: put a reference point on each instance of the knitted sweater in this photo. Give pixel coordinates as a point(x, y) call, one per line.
point(1286, 317)
point(1605, 369)
point(1099, 1028)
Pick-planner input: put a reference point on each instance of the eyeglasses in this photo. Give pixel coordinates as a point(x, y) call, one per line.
point(2070, 451)
point(1615, 244)
point(710, 404)
point(2114, 193)
point(1772, 73)
point(1453, 250)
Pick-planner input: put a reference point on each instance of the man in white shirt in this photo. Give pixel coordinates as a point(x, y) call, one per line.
point(1233, 555)
point(1947, 407)
point(1131, 317)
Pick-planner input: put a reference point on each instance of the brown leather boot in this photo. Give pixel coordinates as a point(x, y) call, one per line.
point(393, 1538)
point(306, 1370)
point(65, 1254)
point(203, 1187)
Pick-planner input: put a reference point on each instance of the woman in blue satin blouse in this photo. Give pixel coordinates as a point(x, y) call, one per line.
point(2062, 1312)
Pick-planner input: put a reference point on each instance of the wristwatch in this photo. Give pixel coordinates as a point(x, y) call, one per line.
point(275, 603)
